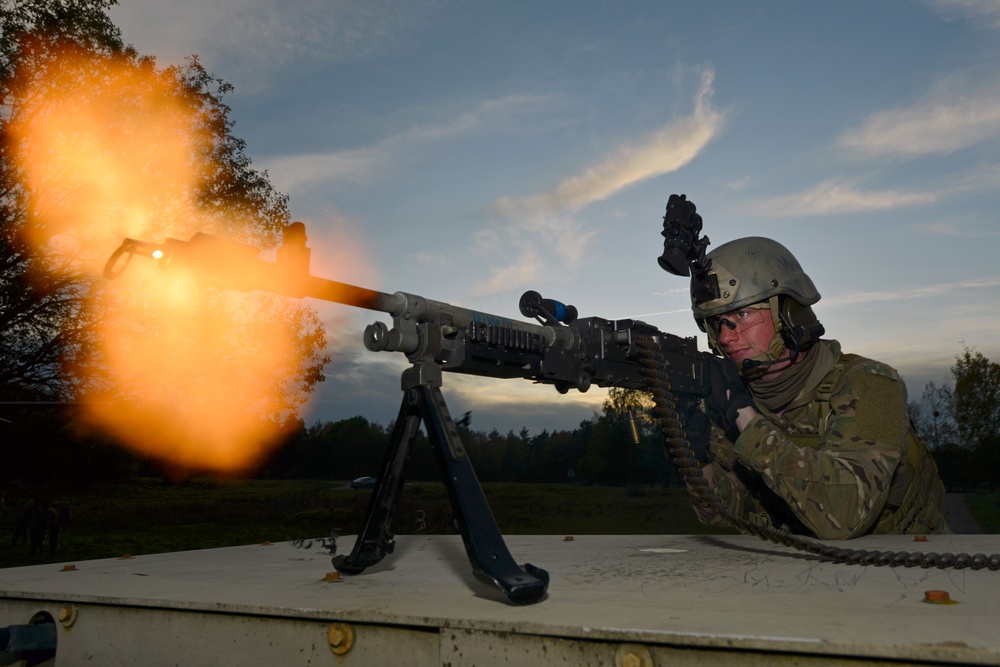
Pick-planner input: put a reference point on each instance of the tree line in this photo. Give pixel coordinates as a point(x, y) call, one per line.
point(959, 418)
point(43, 447)
point(618, 446)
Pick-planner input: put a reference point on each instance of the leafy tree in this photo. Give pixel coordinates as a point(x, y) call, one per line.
point(482, 453)
point(515, 464)
point(976, 397)
point(613, 455)
point(960, 420)
point(345, 449)
point(557, 455)
point(41, 310)
point(977, 412)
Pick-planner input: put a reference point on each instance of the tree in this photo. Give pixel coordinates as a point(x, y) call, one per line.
point(976, 397)
point(934, 415)
point(977, 412)
point(556, 456)
point(961, 421)
point(97, 143)
point(934, 419)
point(623, 442)
point(41, 318)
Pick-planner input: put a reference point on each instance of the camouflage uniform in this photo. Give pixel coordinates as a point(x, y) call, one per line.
point(841, 461)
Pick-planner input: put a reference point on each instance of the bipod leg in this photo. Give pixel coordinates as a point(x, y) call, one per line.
point(375, 540)
point(487, 551)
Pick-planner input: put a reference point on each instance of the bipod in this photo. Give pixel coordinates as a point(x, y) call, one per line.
point(484, 545)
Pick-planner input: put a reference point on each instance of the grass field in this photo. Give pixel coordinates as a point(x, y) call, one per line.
point(985, 507)
point(152, 517)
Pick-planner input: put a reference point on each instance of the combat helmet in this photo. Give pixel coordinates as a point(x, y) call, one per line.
point(757, 271)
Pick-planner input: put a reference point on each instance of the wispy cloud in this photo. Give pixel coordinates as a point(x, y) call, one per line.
point(365, 165)
point(735, 185)
point(533, 251)
point(665, 150)
point(953, 228)
point(985, 11)
point(832, 197)
point(542, 235)
point(252, 40)
point(924, 292)
point(935, 126)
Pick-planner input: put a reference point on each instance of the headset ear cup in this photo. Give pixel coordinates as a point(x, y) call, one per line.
point(801, 329)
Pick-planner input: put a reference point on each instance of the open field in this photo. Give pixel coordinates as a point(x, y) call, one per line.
point(985, 508)
point(153, 517)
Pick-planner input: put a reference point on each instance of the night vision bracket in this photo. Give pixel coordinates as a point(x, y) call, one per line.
point(684, 248)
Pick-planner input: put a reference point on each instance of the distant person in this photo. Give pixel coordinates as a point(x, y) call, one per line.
point(20, 535)
point(39, 521)
point(803, 436)
point(58, 522)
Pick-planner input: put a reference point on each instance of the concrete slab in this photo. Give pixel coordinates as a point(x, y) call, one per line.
point(686, 599)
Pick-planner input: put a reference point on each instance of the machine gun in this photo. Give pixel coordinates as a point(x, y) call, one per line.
point(561, 350)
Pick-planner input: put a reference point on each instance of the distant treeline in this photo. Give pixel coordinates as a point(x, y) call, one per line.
point(44, 449)
point(601, 450)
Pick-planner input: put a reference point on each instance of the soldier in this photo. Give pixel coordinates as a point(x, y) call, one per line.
point(803, 436)
point(39, 519)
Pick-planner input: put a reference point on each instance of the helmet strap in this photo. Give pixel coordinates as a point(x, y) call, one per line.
point(776, 347)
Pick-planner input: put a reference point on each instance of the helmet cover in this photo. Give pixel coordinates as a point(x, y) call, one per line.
point(748, 271)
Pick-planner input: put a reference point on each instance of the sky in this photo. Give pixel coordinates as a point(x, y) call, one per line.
point(467, 151)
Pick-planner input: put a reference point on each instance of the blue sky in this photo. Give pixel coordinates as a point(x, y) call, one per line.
point(467, 151)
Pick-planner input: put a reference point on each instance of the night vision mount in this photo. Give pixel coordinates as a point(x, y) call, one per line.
point(684, 248)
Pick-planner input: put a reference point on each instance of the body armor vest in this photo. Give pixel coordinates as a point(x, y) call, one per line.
point(916, 494)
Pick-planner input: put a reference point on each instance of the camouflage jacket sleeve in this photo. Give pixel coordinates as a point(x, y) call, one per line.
point(837, 483)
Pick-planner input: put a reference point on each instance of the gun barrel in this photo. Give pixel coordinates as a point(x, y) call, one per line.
point(229, 264)
point(350, 295)
point(575, 355)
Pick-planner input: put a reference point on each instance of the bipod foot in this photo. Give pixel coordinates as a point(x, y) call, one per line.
point(364, 555)
point(521, 585)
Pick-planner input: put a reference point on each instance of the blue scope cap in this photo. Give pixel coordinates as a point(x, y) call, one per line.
point(547, 311)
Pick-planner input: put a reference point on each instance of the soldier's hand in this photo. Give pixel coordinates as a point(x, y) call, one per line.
point(698, 431)
point(729, 394)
